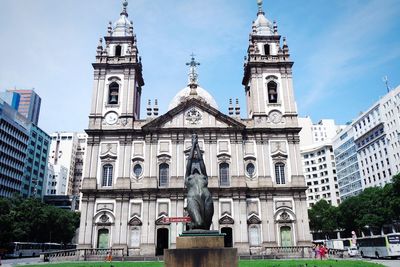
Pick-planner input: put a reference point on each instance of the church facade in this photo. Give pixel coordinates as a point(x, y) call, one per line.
point(134, 169)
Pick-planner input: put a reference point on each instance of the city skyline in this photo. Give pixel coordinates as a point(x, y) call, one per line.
point(341, 51)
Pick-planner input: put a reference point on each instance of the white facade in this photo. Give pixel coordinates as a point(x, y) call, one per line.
point(318, 160)
point(63, 153)
point(376, 134)
point(134, 169)
point(79, 163)
point(57, 179)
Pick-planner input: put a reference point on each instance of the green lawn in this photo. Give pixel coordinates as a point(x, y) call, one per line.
point(253, 263)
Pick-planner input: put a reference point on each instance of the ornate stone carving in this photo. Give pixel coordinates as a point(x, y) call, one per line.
point(226, 219)
point(275, 117)
point(253, 219)
point(135, 221)
point(193, 116)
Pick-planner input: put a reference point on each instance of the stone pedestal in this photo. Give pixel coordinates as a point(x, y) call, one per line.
point(200, 249)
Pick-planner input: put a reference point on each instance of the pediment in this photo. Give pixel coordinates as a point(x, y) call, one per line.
point(253, 219)
point(193, 113)
point(160, 219)
point(135, 221)
point(226, 219)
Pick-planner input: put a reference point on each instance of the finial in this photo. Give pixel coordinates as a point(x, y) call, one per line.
point(155, 108)
point(193, 72)
point(230, 109)
point(149, 109)
point(124, 5)
point(237, 107)
point(275, 28)
point(260, 9)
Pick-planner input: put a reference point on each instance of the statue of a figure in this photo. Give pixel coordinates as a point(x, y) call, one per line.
point(199, 200)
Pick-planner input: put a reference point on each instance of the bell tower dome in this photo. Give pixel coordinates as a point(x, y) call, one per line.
point(118, 78)
point(268, 71)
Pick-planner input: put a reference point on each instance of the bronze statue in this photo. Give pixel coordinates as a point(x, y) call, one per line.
point(199, 200)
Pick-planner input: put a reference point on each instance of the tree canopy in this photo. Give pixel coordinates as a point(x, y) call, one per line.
point(31, 220)
point(371, 209)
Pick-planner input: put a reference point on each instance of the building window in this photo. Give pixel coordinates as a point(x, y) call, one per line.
point(107, 175)
point(113, 92)
point(280, 173)
point(250, 169)
point(137, 170)
point(224, 174)
point(272, 92)
point(267, 49)
point(163, 174)
point(118, 51)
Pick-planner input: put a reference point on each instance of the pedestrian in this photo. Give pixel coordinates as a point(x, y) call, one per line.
point(109, 257)
point(317, 254)
point(322, 251)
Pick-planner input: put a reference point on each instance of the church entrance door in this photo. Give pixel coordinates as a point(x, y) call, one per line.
point(228, 240)
point(102, 240)
point(286, 236)
point(162, 241)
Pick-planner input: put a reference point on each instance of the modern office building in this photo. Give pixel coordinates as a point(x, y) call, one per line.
point(63, 150)
point(29, 104)
point(14, 136)
point(35, 171)
point(11, 98)
point(318, 160)
point(134, 170)
point(347, 167)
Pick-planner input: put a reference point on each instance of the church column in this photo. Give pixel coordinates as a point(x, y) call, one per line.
point(102, 90)
point(302, 225)
point(270, 219)
point(116, 236)
point(89, 235)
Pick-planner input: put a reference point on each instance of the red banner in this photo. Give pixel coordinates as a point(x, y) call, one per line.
point(176, 219)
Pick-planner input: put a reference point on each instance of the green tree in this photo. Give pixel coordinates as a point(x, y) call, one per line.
point(6, 222)
point(323, 217)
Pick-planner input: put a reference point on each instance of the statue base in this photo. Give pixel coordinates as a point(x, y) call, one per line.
point(200, 248)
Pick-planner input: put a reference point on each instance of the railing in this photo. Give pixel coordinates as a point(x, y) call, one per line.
point(89, 254)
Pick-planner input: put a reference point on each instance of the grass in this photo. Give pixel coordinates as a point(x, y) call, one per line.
point(244, 263)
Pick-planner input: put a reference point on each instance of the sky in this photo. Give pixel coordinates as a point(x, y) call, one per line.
point(341, 48)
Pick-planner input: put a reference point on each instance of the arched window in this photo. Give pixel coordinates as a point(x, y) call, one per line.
point(267, 49)
point(107, 175)
point(113, 91)
point(118, 51)
point(272, 92)
point(280, 173)
point(163, 174)
point(224, 174)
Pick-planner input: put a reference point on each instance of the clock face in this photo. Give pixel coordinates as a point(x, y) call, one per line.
point(111, 118)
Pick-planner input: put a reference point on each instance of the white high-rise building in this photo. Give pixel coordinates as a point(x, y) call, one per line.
point(377, 139)
point(63, 150)
point(57, 178)
point(318, 160)
point(79, 163)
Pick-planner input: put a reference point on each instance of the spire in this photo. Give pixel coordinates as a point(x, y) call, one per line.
point(262, 25)
point(260, 8)
point(193, 83)
point(122, 27)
